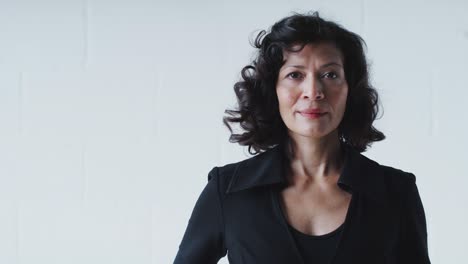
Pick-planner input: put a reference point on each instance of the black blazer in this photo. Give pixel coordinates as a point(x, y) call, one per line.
point(238, 213)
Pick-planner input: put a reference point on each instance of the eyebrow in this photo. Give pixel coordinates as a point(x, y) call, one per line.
point(323, 66)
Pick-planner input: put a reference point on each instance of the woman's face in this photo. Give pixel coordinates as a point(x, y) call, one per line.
point(312, 80)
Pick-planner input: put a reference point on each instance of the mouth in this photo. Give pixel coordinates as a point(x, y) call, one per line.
point(313, 115)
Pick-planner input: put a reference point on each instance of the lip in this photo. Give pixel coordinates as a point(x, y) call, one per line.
point(312, 111)
point(313, 115)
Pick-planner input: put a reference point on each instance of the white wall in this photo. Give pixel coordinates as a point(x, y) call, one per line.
point(110, 116)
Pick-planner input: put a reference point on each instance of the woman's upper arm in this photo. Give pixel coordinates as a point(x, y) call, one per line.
point(414, 230)
point(203, 240)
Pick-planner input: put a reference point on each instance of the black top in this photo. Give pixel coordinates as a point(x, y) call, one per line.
point(316, 249)
point(236, 214)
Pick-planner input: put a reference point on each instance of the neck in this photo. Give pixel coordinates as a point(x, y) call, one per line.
point(315, 160)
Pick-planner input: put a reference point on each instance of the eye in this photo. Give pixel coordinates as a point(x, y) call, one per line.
point(330, 75)
point(294, 75)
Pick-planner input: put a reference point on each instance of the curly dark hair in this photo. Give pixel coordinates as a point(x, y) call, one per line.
point(257, 110)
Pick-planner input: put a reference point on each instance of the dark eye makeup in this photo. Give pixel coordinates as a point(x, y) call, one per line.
point(329, 75)
point(332, 75)
point(293, 73)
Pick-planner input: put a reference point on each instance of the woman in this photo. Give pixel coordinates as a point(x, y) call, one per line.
point(309, 196)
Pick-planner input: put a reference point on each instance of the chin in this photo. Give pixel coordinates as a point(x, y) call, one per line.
point(311, 134)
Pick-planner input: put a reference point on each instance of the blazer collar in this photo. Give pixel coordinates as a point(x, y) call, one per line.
point(359, 174)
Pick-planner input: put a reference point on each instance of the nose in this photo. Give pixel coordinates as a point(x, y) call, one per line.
point(313, 89)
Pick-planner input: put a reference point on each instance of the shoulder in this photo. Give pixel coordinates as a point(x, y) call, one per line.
point(390, 173)
point(397, 180)
point(262, 169)
point(398, 173)
point(224, 173)
point(387, 184)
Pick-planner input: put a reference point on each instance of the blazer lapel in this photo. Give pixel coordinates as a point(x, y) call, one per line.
point(361, 176)
point(365, 230)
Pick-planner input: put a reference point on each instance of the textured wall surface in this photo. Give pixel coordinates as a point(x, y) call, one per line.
point(110, 116)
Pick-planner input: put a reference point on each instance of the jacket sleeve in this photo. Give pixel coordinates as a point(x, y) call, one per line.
point(413, 245)
point(203, 240)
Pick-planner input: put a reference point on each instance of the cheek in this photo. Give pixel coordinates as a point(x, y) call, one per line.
point(338, 99)
point(285, 99)
point(345, 97)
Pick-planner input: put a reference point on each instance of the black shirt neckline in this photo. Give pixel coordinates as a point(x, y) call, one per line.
point(316, 237)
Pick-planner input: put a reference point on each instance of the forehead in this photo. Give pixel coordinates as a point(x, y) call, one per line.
point(315, 51)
